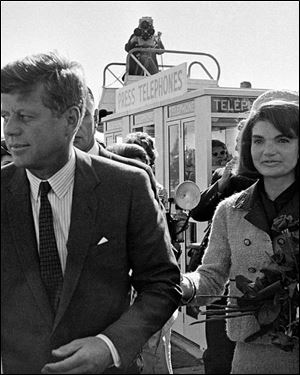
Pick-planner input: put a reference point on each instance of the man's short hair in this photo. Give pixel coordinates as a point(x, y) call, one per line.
point(63, 80)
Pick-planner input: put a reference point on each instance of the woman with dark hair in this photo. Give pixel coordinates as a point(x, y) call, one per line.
point(131, 151)
point(254, 243)
point(283, 116)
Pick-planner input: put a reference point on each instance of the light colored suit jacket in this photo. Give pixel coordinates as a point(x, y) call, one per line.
point(112, 201)
point(238, 245)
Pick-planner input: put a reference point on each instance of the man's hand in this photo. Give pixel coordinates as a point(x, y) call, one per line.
point(89, 355)
point(223, 181)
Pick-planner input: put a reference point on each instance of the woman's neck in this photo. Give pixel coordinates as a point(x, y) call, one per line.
point(275, 186)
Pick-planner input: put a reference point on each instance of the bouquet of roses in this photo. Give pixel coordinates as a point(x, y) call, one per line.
point(274, 297)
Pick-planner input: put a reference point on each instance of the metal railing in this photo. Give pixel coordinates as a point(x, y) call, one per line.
point(161, 51)
point(107, 69)
point(131, 55)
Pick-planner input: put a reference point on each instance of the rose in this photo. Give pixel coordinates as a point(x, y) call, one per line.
point(283, 222)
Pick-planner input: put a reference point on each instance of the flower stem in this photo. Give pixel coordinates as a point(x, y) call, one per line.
point(228, 316)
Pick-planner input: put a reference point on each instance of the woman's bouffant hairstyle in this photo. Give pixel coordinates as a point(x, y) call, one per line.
point(129, 150)
point(283, 115)
point(63, 80)
point(146, 141)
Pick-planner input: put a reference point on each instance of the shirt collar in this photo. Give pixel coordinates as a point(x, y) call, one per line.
point(60, 181)
point(94, 150)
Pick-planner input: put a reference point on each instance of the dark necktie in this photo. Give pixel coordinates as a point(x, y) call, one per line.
point(50, 266)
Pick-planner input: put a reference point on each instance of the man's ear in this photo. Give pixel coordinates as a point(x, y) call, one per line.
point(96, 116)
point(73, 117)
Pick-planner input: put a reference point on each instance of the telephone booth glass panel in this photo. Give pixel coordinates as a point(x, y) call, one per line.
point(173, 158)
point(189, 150)
point(224, 130)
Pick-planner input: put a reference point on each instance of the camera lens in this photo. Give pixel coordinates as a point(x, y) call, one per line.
point(151, 31)
point(145, 34)
point(137, 32)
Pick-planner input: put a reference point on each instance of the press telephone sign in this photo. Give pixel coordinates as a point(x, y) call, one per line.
point(231, 104)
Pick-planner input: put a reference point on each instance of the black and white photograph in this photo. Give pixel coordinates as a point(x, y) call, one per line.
point(149, 187)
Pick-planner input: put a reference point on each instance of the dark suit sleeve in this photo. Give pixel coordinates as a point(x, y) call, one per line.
point(155, 273)
point(131, 43)
point(209, 200)
point(211, 197)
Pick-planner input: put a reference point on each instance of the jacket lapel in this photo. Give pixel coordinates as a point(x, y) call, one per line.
point(23, 234)
point(249, 200)
point(83, 215)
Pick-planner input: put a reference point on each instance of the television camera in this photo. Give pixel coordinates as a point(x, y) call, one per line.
point(145, 30)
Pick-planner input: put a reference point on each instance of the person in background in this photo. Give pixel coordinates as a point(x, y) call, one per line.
point(131, 151)
point(220, 155)
point(144, 37)
point(253, 233)
point(86, 140)
point(6, 157)
point(146, 141)
point(74, 236)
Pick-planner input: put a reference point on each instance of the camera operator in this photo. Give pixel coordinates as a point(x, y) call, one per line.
point(144, 37)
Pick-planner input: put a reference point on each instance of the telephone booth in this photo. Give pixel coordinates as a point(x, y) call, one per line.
point(183, 120)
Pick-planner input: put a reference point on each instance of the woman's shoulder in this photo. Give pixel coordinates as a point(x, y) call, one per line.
point(240, 200)
point(232, 202)
point(232, 199)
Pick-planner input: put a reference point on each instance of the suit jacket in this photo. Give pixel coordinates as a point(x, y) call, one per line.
point(238, 245)
point(110, 200)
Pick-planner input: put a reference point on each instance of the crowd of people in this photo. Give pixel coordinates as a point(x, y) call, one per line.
point(90, 281)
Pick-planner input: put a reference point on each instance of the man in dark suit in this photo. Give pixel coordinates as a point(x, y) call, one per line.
point(109, 234)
